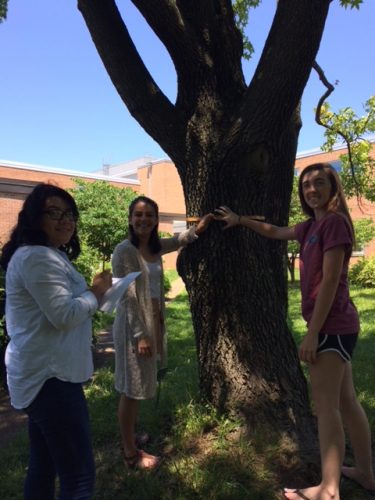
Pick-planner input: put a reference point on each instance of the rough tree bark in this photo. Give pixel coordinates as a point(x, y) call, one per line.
point(232, 144)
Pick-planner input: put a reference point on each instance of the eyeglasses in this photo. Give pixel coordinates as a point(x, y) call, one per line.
point(57, 214)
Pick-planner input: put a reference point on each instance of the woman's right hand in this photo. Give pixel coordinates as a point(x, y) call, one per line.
point(225, 214)
point(101, 283)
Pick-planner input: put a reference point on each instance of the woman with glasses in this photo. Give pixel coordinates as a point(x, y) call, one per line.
point(48, 314)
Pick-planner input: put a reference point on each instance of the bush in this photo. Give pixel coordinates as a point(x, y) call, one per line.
point(167, 284)
point(100, 321)
point(88, 263)
point(363, 273)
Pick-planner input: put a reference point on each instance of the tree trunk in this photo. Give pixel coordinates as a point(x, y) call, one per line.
point(233, 145)
point(237, 286)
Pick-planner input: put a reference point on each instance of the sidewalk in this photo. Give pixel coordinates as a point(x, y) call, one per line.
point(178, 286)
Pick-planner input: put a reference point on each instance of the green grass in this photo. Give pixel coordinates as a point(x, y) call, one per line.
point(206, 455)
point(171, 274)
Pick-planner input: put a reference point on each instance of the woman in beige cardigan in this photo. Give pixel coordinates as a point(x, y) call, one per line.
point(138, 330)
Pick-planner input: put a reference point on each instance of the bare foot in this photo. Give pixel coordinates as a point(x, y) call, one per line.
point(147, 461)
point(312, 493)
point(141, 460)
point(366, 481)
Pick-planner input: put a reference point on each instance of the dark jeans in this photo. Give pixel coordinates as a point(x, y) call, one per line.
point(60, 443)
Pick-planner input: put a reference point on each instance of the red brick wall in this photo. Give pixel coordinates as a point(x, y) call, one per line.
point(160, 181)
point(10, 206)
point(16, 183)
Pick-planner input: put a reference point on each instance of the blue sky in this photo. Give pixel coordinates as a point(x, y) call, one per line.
point(60, 109)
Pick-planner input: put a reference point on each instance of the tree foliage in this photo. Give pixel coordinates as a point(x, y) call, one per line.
point(3, 9)
point(295, 217)
point(103, 212)
point(353, 4)
point(363, 273)
point(358, 167)
point(241, 10)
point(364, 229)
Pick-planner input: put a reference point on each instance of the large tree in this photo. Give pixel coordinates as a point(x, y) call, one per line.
point(232, 143)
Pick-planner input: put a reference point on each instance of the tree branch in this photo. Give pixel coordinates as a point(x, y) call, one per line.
point(194, 34)
point(324, 97)
point(283, 69)
point(136, 87)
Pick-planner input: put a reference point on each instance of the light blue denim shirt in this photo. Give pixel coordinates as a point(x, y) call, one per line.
point(48, 316)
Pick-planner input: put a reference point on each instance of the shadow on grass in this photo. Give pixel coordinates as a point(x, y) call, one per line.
point(206, 455)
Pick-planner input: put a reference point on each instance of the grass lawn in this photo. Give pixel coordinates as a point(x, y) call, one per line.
point(205, 455)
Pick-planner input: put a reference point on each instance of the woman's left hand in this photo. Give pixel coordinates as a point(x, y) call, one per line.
point(101, 283)
point(204, 223)
point(145, 347)
point(307, 349)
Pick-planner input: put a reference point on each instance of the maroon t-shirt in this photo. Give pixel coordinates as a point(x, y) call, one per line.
point(316, 237)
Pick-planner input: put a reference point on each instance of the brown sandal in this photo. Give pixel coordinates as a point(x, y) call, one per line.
point(130, 462)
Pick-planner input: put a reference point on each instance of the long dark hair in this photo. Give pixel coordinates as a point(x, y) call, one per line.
point(154, 240)
point(337, 202)
point(28, 228)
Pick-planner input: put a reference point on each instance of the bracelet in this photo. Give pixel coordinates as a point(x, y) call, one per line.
point(239, 219)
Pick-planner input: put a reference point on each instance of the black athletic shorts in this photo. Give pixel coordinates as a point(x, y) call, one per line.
point(342, 344)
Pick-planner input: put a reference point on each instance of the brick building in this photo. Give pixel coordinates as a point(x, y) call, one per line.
point(18, 179)
point(157, 179)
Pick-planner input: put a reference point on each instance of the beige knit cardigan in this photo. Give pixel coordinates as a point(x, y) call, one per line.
point(135, 375)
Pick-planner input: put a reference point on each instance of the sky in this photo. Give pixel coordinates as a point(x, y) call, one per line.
point(60, 109)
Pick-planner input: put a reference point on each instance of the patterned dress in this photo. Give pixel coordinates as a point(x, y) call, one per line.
point(136, 375)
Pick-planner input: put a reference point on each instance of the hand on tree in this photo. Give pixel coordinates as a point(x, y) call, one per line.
point(225, 214)
point(204, 223)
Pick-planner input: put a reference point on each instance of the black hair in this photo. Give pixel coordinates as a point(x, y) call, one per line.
point(154, 241)
point(28, 228)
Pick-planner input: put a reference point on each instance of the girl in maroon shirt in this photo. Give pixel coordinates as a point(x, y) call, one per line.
point(326, 240)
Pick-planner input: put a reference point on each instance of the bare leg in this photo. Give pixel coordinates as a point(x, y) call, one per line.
point(357, 426)
point(326, 376)
point(127, 416)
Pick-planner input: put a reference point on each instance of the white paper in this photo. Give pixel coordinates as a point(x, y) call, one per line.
point(117, 290)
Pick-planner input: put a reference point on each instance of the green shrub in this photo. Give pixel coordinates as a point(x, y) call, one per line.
point(88, 263)
point(362, 273)
point(100, 321)
point(167, 284)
